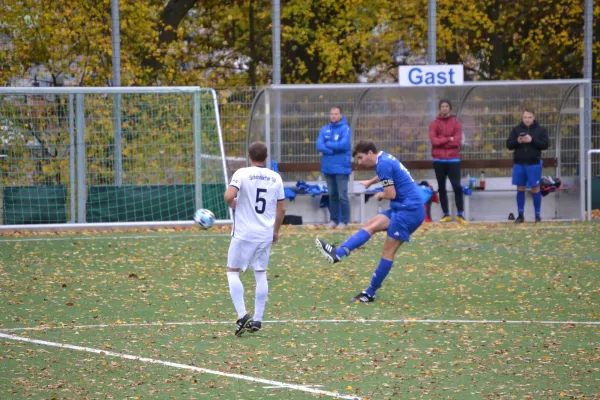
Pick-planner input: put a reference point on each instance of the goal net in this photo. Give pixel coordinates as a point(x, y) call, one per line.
point(122, 156)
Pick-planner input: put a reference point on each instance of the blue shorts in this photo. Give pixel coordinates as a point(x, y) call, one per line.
point(404, 222)
point(527, 175)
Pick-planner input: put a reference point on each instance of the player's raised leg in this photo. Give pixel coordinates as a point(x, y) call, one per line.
point(334, 254)
point(402, 224)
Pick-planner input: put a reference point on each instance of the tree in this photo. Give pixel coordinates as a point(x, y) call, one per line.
point(330, 41)
point(74, 38)
point(228, 42)
point(499, 39)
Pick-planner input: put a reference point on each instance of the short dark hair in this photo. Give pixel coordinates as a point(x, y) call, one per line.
point(363, 147)
point(258, 151)
point(338, 107)
point(529, 109)
point(442, 101)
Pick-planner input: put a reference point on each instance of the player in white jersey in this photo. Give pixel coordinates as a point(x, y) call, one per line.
point(256, 196)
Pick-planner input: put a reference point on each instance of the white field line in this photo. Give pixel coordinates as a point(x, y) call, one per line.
point(103, 237)
point(205, 235)
point(309, 321)
point(460, 228)
point(269, 382)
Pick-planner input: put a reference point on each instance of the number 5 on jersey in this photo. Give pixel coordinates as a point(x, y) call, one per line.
point(260, 200)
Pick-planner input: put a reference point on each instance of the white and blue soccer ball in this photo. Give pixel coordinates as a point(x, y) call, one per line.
point(205, 218)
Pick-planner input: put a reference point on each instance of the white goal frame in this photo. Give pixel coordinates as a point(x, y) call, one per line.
point(77, 167)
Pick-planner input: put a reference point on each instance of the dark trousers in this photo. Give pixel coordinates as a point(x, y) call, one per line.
point(452, 171)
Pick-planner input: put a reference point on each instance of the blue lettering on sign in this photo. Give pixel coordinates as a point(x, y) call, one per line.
point(441, 77)
point(417, 77)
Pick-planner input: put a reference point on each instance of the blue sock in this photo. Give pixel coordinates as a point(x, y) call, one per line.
point(446, 214)
point(379, 275)
point(537, 203)
point(460, 213)
point(353, 242)
point(521, 203)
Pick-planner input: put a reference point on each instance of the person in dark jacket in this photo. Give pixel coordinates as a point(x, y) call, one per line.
point(335, 143)
point(445, 133)
point(528, 139)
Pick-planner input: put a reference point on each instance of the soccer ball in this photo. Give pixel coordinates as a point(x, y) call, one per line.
point(204, 217)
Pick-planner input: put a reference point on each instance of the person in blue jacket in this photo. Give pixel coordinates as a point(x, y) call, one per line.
point(335, 143)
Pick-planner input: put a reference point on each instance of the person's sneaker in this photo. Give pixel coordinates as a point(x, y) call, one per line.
point(327, 250)
point(242, 324)
point(461, 220)
point(362, 297)
point(519, 220)
point(254, 326)
point(341, 226)
point(330, 225)
point(446, 218)
point(538, 219)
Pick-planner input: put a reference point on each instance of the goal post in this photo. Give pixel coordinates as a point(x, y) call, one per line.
point(68, 163)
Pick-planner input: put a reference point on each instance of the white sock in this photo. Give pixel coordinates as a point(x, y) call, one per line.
point(236, 289)
point(262, 290)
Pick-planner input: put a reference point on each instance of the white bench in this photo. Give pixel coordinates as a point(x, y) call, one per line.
point(353, 196)
point(497, 202)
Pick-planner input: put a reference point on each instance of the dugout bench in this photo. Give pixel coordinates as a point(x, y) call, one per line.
point(414, 165)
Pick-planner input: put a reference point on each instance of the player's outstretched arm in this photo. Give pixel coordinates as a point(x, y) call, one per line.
point(370, 182)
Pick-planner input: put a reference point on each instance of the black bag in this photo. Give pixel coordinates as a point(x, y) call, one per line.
point(549, 184)
point(292, 220)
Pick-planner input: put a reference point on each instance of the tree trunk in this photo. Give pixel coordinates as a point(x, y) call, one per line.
point(172, 15)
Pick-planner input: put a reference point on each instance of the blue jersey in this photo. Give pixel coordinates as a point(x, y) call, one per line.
point(391, 172)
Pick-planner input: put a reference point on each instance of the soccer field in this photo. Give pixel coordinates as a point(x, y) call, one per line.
point(484, 311)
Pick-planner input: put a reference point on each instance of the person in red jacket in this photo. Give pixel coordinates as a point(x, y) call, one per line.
point(445, 133)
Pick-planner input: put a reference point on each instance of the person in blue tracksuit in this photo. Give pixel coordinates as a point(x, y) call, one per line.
point(335, 144)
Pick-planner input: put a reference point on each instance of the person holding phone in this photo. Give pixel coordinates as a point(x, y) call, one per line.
point(528, 140)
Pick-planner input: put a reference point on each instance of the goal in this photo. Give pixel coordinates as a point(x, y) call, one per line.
point(118, 157)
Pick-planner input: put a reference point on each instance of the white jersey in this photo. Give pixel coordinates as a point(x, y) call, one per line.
point(256, 206)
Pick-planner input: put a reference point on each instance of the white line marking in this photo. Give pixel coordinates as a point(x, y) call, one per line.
point(74, 238)
point(281, 387)
point(309, 321)
point(461, 228)
point(180, 366)
point(171, 235)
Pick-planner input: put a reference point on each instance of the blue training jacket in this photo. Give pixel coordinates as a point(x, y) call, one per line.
point(335, 142)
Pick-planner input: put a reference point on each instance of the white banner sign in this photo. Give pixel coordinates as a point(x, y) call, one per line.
point(431, 75)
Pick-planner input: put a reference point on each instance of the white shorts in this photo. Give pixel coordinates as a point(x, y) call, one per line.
point(243, 254)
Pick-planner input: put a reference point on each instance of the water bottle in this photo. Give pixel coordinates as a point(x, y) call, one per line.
point(320, 183)
point(482, 181)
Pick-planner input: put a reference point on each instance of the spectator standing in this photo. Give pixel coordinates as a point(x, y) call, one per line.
point(335, 144)
point(528, 139)
point(445, 133)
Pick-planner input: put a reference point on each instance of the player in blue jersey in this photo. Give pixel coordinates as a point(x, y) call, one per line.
point(405, 215)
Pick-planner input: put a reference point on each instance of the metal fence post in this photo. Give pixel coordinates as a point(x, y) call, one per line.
point(588, 207)
point(81, 161)
point(268, 126)
point(582, 168)
point(197, 150)
point(72, 178)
